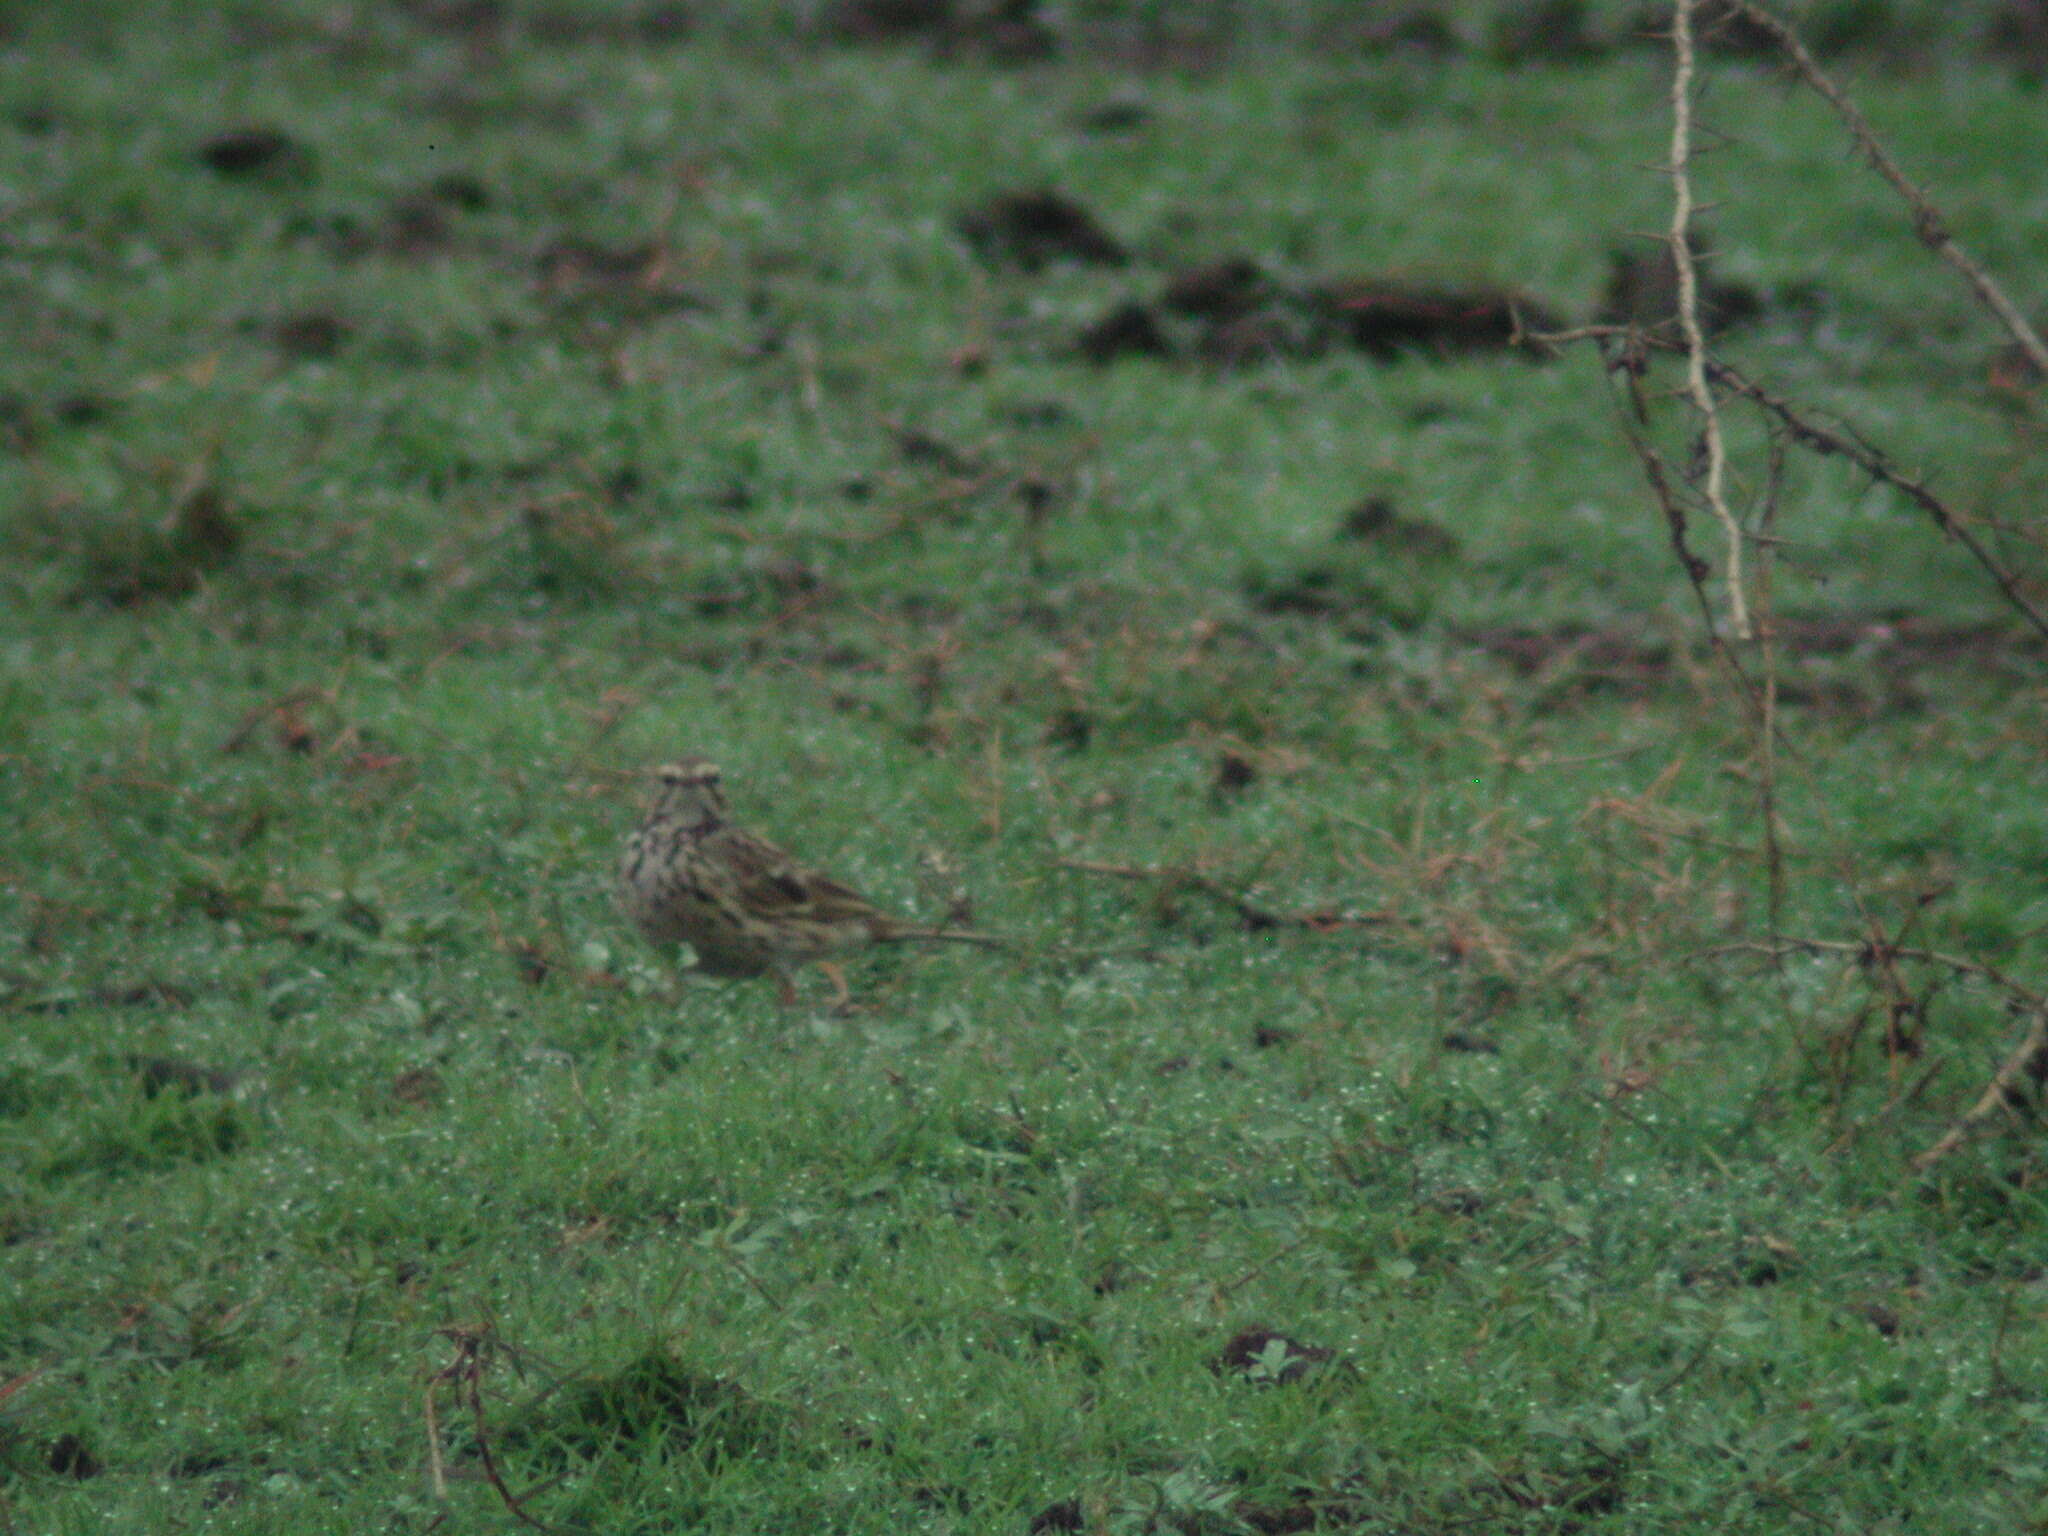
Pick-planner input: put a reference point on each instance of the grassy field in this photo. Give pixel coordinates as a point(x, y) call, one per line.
point(418, 420)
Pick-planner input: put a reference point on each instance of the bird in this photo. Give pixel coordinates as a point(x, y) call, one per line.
point(691, 874)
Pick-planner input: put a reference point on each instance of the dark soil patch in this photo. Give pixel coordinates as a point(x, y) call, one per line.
point(1614, 651)
point(145, 994)
point(1280, 1519)
point(1362, 601)
point(2018, 34)
point(1219, 290)
point(656, 24)
point(128, 560)
point(308, 335)
point(1547, 31)
point(1422, 30)
point(1853, 666)
point(479, 20)
point(585, 279)
point(1898, 32)
point(1114, 117)
point(889, 21)
point(423, 221)
point(1595, 1486)
point(916, 446)
point(418, 1088)
point(1011, 33)
point(1377, 571)
point(1896, 641)
point(1262, 1355)
point(1235, 773)
point(69, 1456)
point(256, 151)
point(1128, 330)
point(1726, 30)
point(415, 226)
point(1035, 228)
point(1232, 313)
point(459, 189)
point(24, 422)
point(1376, 520)
point(1386, 316)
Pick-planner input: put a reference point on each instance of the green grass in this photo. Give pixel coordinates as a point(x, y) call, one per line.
point(362, 547)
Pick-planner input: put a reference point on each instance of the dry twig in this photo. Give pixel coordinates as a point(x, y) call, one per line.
point(1767, 704)
point(278, 708)
point(475, 1349)
point(1628, 361)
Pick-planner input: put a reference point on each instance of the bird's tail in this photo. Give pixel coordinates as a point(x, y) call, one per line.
point(909, 935)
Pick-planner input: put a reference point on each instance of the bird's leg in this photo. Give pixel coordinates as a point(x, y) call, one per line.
point(840, 995)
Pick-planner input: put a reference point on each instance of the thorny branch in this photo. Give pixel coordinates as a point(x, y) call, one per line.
point(1928, 223)
point(1628, 362)
point(1626, 355)
point(1626, 350)
point(1715, 476)
point(1821, 439)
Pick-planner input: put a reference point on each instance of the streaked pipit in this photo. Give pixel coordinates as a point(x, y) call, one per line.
point(690, 874)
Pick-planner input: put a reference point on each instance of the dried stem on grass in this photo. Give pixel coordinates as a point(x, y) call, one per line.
point(279, 708)
point(1173, 877)
point(2005, 1094)
point(1928, 223)
point(1871, 952)
point(1762, 696)
point(475, 1351)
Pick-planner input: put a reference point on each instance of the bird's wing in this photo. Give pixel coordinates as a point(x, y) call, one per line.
point(770, 884)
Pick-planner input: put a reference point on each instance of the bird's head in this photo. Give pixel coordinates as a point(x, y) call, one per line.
point(688, 790)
